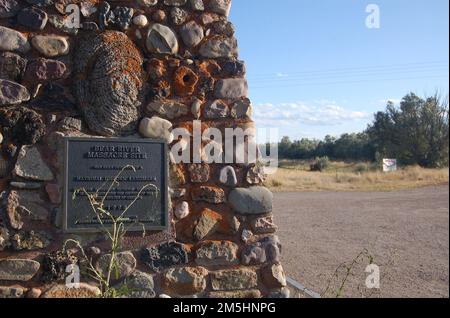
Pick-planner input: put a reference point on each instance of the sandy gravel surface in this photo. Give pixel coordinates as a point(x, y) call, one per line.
point(407, 233)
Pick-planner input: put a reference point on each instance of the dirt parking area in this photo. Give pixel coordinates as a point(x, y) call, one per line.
point(406, 233)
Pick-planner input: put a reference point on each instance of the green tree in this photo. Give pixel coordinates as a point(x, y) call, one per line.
point(415, 133)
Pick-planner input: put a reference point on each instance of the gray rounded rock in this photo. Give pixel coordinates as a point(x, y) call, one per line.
point(12, 40)
point(12, 93)
point(231, 88)
point(219, 47)
point(18, 269)
point(251, 201)
point(192, 33)
point(140, 285)
point(220, 6)
point(125, 265)
point(50, 45)
point(161, 39)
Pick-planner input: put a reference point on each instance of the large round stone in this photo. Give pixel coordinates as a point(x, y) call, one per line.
point(251, 201)
point(50, 45)
point(12, 93)
point(11, 40)
point(192, 34)
point(108, 83)
point(161, 39)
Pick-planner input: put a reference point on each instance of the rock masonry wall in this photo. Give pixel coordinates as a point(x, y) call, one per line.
point(136, 68)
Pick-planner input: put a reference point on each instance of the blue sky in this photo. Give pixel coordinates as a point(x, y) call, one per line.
point(314, 68)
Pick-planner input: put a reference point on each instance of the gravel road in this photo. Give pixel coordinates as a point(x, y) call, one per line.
point(407, 233)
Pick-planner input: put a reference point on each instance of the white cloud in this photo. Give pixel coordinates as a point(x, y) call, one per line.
point(317, 113)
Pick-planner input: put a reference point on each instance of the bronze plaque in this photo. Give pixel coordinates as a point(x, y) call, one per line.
point(91, 165)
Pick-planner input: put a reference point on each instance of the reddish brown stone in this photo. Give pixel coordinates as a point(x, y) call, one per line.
point(42, 70)
point(209, 68)
point(161, 89)
point(207, 225)
point(209, 194)
point(199, 173)
point(185, 81)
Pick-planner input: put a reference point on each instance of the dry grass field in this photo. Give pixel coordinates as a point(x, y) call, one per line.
point(295, 176)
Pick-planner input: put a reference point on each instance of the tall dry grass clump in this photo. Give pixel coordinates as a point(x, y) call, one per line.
point(295, 176)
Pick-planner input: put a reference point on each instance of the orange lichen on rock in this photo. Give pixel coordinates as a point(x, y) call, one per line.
point(185, 81)
point(156, 69)
point(209, 68)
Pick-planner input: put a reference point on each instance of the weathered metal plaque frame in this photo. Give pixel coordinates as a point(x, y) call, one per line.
point(149, 157)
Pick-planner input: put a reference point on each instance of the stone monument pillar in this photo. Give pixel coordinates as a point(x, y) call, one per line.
point(92, 90)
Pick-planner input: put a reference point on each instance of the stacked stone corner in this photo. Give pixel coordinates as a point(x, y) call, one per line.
point(139, 69)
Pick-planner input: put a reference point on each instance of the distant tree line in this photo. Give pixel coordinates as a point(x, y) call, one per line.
point(416, 132)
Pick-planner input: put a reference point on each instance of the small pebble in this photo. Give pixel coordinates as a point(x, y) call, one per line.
point(140, 20)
